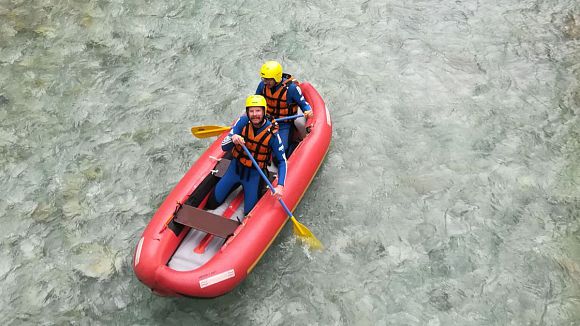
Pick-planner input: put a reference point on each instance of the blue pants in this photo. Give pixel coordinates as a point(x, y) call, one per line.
point(284, 132)
point(238, 174)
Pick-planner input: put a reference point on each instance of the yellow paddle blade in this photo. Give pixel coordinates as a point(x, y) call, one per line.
point(305, 235)
point(208, 131)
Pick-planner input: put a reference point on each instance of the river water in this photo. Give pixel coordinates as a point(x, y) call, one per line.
point(450, 194)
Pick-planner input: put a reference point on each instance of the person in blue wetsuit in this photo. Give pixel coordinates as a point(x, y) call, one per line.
point(256, 133)
point(283, 96)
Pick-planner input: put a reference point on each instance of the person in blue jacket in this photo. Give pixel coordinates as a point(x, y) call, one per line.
point(256, 133)
point(283, 97)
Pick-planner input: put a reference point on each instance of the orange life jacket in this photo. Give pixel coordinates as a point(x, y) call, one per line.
point(258, 145)
point(277, 104)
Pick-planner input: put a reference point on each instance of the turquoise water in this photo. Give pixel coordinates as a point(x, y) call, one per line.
point(450, 194)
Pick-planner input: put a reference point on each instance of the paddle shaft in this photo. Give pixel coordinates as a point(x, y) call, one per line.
point(290, 117)
point(210, 131)
point(265, 178)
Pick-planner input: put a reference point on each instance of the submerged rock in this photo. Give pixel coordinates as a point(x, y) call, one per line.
point(572, 27)
point(94, 260)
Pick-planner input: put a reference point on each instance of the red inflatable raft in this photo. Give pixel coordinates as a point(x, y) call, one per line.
point(187, 251)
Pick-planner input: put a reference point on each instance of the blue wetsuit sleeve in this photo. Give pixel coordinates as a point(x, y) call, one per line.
point(278, 150)
point(260, 89)
point(227, 143)
point(295, 96)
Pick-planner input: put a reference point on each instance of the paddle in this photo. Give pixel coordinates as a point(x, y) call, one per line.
point(208, 131)
point(300, 230)
point(290, 117)
point(211, 131)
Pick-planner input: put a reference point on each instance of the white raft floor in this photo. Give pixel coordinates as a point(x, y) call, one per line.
point(185, 259)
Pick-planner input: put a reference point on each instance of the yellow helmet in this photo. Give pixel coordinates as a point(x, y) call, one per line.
point(271, 69)
point(256, 100)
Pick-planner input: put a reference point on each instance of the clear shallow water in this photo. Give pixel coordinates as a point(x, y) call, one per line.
point(450, 194)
